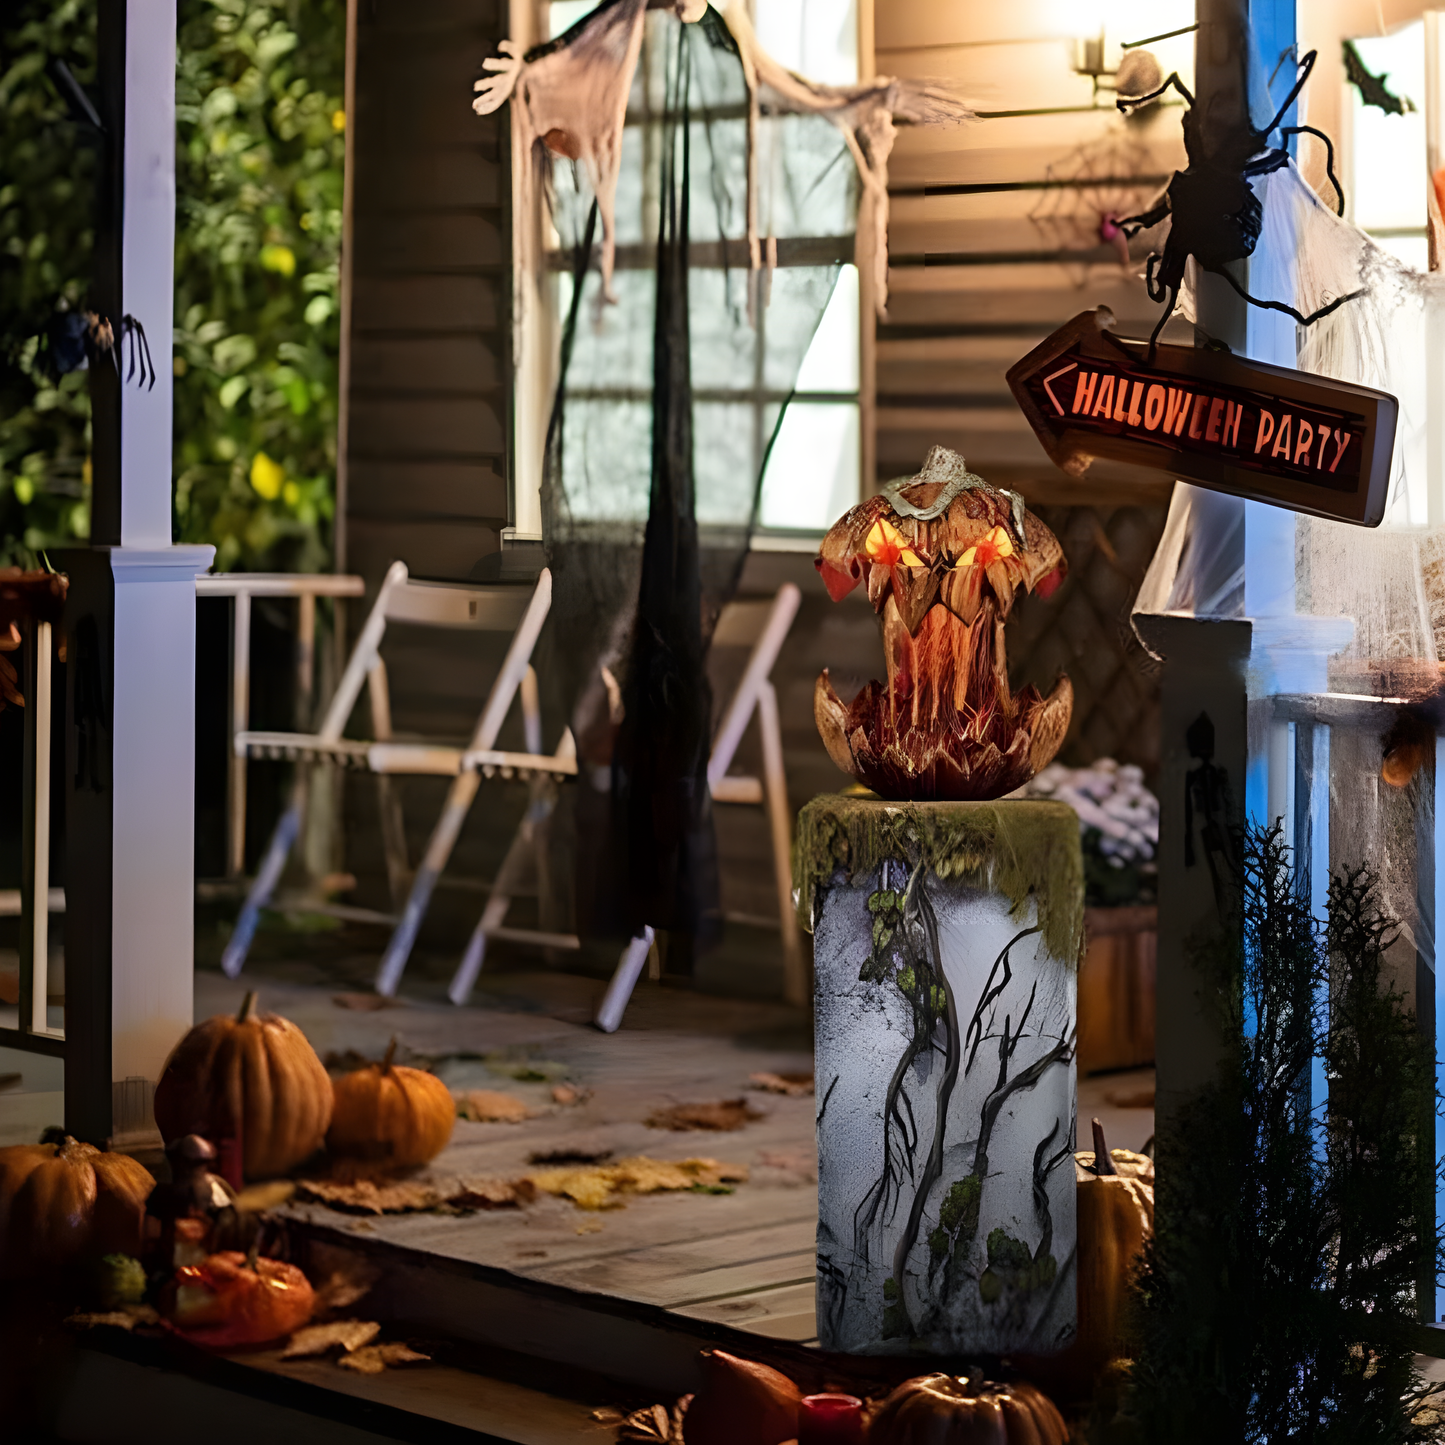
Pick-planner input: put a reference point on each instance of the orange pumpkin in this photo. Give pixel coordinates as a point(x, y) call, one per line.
point(1116, 1215)
point(61, 1203)
point(954, 1410)
point(741, 1400)
point(387, 1111)
point(230, 1299)
point(253, 1086)
point(1115, 1201)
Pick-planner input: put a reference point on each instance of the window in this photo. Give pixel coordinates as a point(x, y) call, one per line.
point(812, 472)
point(1386, 188)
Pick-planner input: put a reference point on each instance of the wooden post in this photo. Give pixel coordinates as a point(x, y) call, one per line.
point(130, 621)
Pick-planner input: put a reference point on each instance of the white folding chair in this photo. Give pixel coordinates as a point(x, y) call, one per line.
point(432, 604)
point(765, 625)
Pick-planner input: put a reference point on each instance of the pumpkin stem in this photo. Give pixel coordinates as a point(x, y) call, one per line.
point(390, 1055)
point(1103, 1160)
point(248, 1006)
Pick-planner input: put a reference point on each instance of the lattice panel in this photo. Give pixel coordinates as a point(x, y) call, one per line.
point(1083, 629)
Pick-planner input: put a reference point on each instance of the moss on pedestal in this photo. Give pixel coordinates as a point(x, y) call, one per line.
point(1020, 849)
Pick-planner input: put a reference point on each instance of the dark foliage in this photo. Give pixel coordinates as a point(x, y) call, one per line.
point(1276, 1299)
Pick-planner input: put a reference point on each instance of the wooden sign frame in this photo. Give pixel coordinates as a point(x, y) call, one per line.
point(1289, 438)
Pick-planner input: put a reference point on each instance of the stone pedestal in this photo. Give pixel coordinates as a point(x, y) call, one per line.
point(947, 939)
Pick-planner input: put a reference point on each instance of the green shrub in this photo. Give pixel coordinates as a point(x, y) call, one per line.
point(47, 179)
point(260, 139)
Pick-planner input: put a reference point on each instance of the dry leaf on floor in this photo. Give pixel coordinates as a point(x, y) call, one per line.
point(373, 1359)
point(270, 1195)
point(1137, 1096)
point(655, 1424)
point(343, 1287)
point(473, 1194)
point(793, 1085)
point(486, 1106)
point(524, 1067)
point(601, 1186)
point(364, 1002)
point(318, 1339)
point(721, 1115)
point(570, 1095)
point(122, 1319)
point(366, 1196)
point(589, 1226)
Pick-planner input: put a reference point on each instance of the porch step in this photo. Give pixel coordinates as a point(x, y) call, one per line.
point(124, 1390)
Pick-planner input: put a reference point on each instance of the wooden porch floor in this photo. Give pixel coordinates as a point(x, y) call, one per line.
point(743, 1260)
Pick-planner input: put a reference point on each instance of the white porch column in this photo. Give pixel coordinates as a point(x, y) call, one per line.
point(131, 718)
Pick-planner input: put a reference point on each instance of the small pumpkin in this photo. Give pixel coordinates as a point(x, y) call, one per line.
point(233, 1299)
point(388, 1111)
point(61, 1203)
point(741, 1400)
point(1115, 1200)
point(966, 1410)
point(253, 1086)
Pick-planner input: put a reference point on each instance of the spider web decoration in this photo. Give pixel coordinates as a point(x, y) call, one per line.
point(705, 198)
point(1086, 186)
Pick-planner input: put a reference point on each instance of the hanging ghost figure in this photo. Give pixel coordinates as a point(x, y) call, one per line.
point(571, 100)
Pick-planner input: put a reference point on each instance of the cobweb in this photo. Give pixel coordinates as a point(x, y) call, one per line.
point(1090, 184)
point(1390, 580)
point(668, 404)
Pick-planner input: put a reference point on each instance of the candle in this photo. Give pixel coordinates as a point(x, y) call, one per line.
point(830, 1420)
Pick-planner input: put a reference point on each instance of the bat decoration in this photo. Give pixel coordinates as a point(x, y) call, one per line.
point(1372, 87)
point(1214, 213)
point(570, 94)
point(79, 339)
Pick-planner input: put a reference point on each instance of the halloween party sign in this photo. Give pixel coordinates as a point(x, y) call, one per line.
point(1289, 438)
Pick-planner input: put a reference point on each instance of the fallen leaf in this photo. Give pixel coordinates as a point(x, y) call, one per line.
point(793, 1085)
point(523, 1068)
point(373, 1359)
point(367, 1197)
point(1140, 1096)
point(474, 1194)
point(601, 1186)
point(366, 1003)
point(722, 1116)
point(344, 1287)
point(654, 1424)
point(317, 1339)
point(271, 1195)
point(485, 1106)
point(589, 1226)
point(570, 1095)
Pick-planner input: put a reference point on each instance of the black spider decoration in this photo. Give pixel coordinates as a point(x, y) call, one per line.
point(1216, 216)
point(79, 339)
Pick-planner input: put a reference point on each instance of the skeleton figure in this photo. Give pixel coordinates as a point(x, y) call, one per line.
point(571, 100)
point(1214, 213)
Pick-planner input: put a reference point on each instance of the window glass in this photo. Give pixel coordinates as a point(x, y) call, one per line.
point(1387, 188)
point(812, 474)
